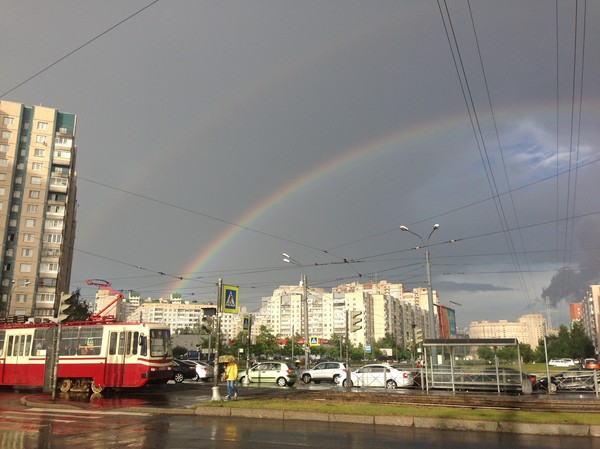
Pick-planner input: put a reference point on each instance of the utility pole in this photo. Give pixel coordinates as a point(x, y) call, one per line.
point(348, 377)
point(215, 389)
point(306, 336)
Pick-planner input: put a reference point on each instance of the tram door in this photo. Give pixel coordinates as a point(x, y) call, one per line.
point(115, 360)
point(18, 349)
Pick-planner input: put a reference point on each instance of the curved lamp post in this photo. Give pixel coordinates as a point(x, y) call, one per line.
point(288, 259)
point(432, 326)
point(10, 292)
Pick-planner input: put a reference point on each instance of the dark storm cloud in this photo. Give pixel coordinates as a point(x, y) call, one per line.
point(470, 287)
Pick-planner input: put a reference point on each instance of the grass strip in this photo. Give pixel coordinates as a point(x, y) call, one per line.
point(546, 417)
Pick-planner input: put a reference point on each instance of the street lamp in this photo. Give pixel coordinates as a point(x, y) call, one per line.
point(288, 259)
point(12, 284)
point(432, 326)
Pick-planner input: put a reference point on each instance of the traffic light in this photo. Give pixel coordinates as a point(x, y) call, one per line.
point(355, 320)
point(208, 324)
point(66, 307)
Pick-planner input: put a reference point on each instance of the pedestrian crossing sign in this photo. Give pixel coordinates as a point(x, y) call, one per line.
point(314, 341)
point(230, 299)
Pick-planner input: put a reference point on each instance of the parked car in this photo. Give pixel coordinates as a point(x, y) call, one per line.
point(325, 372)
point(566, 363)
point(204, 371)
point(279, 372)
point(507, 379)
point(591, 364)
point(573, 379)
point(379, 375)
point(182, 370)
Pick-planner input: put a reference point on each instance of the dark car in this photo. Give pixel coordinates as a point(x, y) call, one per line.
point(505, 379)
point(183, 370)
point(571, 380)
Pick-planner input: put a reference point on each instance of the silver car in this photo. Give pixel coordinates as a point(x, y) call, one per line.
point(204, 371)
point(325, 372)
point(381, 375)
point(279, 372)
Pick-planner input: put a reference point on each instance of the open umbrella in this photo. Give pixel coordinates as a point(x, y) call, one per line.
point(226, 358)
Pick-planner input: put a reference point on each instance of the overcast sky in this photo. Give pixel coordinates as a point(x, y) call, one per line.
point(215, 135)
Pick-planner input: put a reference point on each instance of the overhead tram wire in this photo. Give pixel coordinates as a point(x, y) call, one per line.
point(478, 134)
point(568, 253)
point(221, 220)
point(466, 206)
point(500, 148)
point(108, 30)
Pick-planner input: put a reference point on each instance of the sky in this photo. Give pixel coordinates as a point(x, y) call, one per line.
point(214, 136)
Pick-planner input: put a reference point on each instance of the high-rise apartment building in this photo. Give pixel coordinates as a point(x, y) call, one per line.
point(385, 310)
point(528, 329)
point(37, 207)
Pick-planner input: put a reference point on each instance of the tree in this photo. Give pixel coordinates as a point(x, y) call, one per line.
point(266, 343)
point(581, 345)
point(81, 310)
point(485, 353)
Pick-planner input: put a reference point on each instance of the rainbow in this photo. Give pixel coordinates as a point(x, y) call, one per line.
point(381, 145)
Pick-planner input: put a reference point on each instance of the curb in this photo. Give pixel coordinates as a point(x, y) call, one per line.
point(578, 430)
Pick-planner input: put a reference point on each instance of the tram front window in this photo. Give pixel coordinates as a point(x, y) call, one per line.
point(160, 343)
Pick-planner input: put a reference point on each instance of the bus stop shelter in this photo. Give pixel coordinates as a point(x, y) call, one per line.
point(452, 377)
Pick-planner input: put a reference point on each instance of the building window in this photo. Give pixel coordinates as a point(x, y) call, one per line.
point(27, 252)
point(29, 238)
point(2, 191)
point(32, 208)
point(12, 223)
point(40, 139)
point(25, 268)
point(42, 125)
point(14, 208)
point(30, 223)
point(34, 194)
point(52, 223)
point(3, 162)
point(17, 194)
point(45, 297)
point(18, 180)
point(53, 209)
point(49, 267)
point(9, 120)
point(23, 282)
point(21, 297)
point(37, 166)
point(39, 152)
point(60, 182)
point(2, 176)
point(52, 238)
point(4, 148)
point(6, 134)
point(63, 154)
point(37, 180)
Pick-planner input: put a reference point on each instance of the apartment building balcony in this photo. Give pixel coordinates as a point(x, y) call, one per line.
point(61, 157)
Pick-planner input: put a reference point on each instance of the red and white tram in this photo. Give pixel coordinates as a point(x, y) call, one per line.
point(92, 355)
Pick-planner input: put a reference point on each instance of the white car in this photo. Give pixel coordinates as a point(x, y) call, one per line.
point(204, 371)
point(325, 372)
point(379, 375)
point(562, 362)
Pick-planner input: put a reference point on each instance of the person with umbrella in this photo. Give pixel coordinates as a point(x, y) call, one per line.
point(231, 373)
